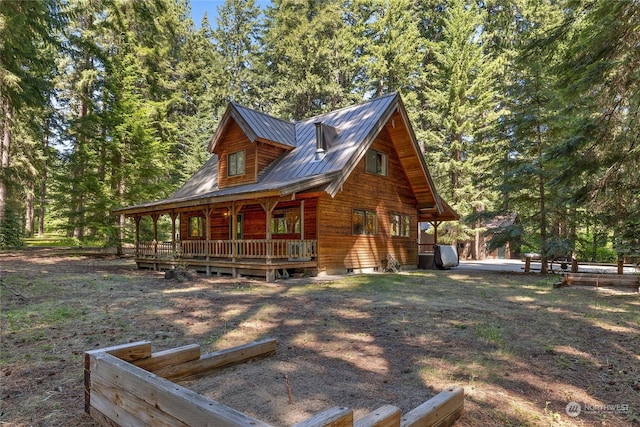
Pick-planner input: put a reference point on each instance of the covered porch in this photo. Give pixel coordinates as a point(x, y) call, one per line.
point(269, 237)
point(268, 258)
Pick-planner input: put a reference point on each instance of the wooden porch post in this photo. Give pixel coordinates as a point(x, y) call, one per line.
point(137, 219)
point(207, 234)
point(155, 233)
point(268, 206)
point(302, 220)
point(234, 233)
point(435, 224)
point(173, 231)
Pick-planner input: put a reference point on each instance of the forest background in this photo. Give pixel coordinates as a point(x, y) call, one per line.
point(526, 109)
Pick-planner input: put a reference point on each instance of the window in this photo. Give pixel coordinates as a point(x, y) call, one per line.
point(400, 225)
point(196, 226)
point(364, 222)
point(236, 163)
point(376, 162)
point(286, 221)
point(406, 226)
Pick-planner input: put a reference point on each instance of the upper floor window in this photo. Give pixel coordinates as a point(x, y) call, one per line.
point(376, 162)
point(236, 163)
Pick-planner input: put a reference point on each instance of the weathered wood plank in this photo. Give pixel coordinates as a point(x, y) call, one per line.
point(128, 402)
point(332, 417)
point(102, 419)
point(441, 410)
point(218, 359)
point(173, 399)
point(110, 410)
point(384, 416)
point(171, 357)
point(129, 352)
point(602, 279)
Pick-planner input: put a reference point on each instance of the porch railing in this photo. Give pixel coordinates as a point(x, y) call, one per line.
point(254, 248)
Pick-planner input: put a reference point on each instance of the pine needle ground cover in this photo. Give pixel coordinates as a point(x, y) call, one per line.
point(522, 350)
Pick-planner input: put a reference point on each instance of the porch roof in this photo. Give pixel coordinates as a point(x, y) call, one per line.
point(203, 194)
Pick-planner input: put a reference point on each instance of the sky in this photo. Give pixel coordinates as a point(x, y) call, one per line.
point(199, 7)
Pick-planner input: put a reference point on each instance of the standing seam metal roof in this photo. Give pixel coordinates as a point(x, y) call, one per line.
point(268, 127)
point(297, 169)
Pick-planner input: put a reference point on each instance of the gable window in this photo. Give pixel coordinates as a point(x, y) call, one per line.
point(376, 162)
point(400, 225)
point(196, 226)
point(364, 222)
point(236, 163)
point(286, 221)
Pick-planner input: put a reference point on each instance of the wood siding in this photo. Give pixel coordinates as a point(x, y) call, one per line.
point(255, 218)
point(409, 160)
point(235, 140)
point(338, 248)
point(266, 154)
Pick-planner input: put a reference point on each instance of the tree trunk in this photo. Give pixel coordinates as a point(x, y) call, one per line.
point(29, 215)
point(4, 157)
point(543, 214)
point(43, 201)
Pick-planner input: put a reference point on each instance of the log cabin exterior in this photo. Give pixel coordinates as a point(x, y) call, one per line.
point(331, 194)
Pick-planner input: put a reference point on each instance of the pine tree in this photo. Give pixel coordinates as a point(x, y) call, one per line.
point(600, 87)
point(533, 129)
point(27, 49)
point(389, 46)
point(235, 38)
point(302, 58)
point(463, 105)
point(202, 100)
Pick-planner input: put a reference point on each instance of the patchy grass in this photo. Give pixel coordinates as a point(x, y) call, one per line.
point(521, 349)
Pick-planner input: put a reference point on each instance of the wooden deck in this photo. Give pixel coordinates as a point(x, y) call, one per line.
point(271, 259)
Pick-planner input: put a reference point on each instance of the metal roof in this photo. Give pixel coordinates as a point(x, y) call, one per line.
point(297, 169)
point(266, 127)
point(257, 126)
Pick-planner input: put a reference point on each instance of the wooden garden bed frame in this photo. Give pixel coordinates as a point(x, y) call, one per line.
point(129, 385)
point(631, 281)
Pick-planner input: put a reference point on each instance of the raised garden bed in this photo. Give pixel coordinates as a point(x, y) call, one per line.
point(630, 281)
point(129, 385)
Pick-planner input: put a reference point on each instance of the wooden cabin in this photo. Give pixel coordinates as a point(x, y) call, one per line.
point(332, 194)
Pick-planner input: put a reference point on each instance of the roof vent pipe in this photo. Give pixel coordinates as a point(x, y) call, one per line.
point(321, 144)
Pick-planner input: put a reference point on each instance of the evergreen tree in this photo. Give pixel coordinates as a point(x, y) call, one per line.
point(302, 58)
point(600, 87)
point(533, 130)
point(235, 38)
point(461, 91)
point(27, 52)
point(202, 101)
point(389, 46)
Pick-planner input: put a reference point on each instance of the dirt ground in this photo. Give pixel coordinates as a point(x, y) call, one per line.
point(521, 350)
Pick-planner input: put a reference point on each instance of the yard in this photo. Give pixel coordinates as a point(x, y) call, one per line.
point(520, 349)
